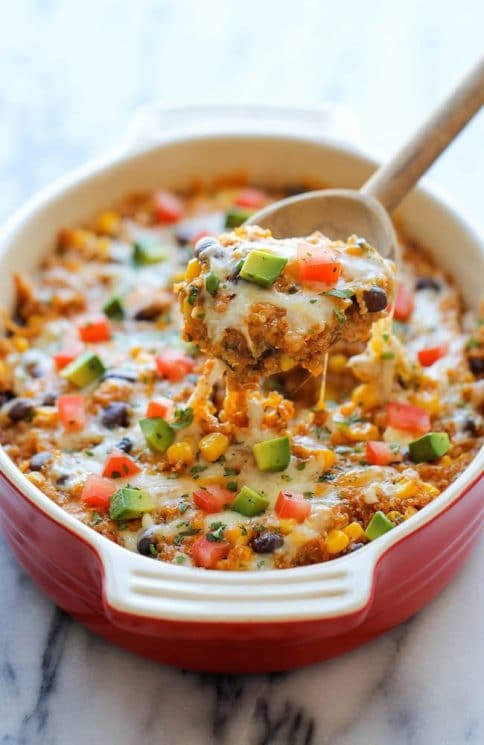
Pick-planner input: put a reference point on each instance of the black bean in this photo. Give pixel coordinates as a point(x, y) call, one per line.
point(204, 243)
point(355, 547)
point(127, 375)
point(470, 426)
point(150, 312)
point(49, 399)
point(146, 544)
point(125, 445)
point(477, 365)
point(62, 479)
point(428, 283)
point(116, 414)
point(6, 396)
point(39, 460)
point(21, 411)
point(375, 299)
point(34, 369)
point(266, 543)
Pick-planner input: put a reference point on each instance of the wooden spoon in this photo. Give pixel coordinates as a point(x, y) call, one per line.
point(338, 213)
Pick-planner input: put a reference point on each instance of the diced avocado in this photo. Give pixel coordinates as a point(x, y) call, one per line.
point(148, 251)
point(378, 525)
point(128, 503)
point(158, 433)
point(431, 446)
point(236, 217)
point(84, 370)
point(249, 503)
point(113, 308)
point(262, 267)
point(272, 455)
point(211, 283)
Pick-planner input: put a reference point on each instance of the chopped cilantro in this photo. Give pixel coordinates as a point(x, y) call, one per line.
point(230, 472)
point(216, 532)
point(339, 315)
point(301, 466)
point(90, 453)
point(232, 485)
point(193, 294)
point(313, 300)
point(180, 559)
point(327, 477)
point(196, 470)
point(472, 344)
point(153, 551)
point(173, 476)
point(388, 356)
point(286, 477)
point(344, 294)
point(183, 418)
point(183, 507)
point(308, 494)
point(95, 519)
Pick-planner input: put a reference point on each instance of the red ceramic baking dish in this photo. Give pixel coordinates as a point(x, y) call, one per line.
point(237, 621)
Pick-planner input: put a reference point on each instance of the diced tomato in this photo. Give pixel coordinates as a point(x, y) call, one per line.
point(168, 207)
point(252, 199)
point(404, 303)
point(208, 553)
point(201, 234)
point(95, 328)
point(119, 465)
point(429, 355)
point(293, 506)
point(317, 264)
point(71, 411)
point(381, 454)
point(97, 491)
point(407, 417)
point(174, 364)
point(160, 407)
point(66, 355)
point(213, 498)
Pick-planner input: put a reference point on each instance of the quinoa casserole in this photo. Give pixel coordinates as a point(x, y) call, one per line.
point(161, 380)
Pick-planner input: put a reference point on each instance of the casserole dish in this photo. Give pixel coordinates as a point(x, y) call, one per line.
point(236, 622)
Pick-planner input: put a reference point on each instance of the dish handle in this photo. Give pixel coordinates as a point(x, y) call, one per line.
point(155, 123)
point(134, 587)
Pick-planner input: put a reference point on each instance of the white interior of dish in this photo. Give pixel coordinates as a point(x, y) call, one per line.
point(132, 583)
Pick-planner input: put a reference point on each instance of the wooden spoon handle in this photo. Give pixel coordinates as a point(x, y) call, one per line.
point(395, 179)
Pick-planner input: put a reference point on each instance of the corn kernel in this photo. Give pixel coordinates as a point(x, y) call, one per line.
point(354, 531)
point(327, 458)
point(429, 402)
point(193, 269)
point(337, 363)
point(336, 541)
point(237, 536)
point(395, 517)
point(430, 489)
point(21, 344)
point(180, 452)
point(361, 432)
point(286, 363)
point(186, 307)
point(354, 250)
point(214, 445)
point(103, 245)
point(80, 238)
point(409, 512)
point(108, 223)
point(446, 460)
point(366, 395)
point(286, 525)
point(406, 489)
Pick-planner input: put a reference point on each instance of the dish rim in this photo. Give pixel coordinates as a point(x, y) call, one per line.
point(187, 587)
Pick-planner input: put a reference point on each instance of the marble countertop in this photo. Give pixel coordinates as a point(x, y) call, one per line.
point(71, 76)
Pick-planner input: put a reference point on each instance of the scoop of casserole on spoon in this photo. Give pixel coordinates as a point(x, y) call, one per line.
point(264, 301)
